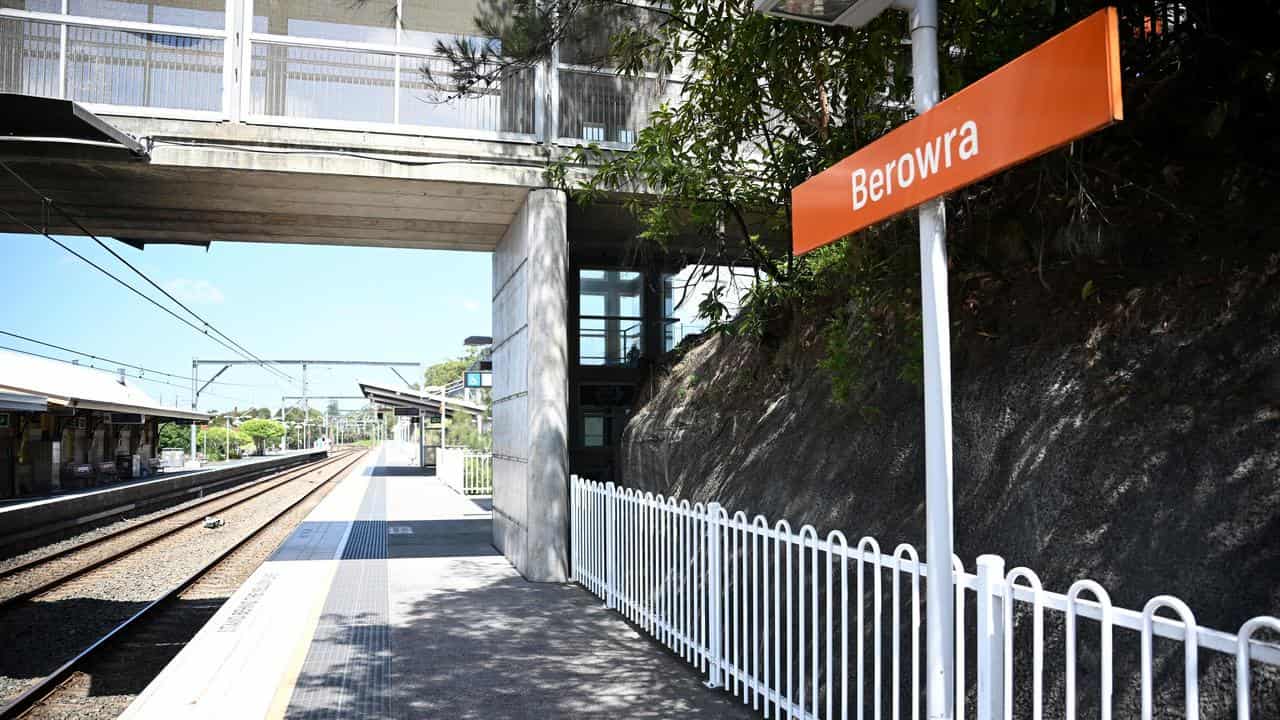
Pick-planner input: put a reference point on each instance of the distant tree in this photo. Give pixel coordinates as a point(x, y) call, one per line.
point(173, 435)
point(443, 373)
point(264, 432)
point(214, 441)
point(462, 431)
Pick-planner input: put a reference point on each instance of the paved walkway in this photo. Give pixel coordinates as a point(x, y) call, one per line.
point(390, 602)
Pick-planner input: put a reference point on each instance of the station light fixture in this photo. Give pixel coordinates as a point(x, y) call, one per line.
point(845, 13)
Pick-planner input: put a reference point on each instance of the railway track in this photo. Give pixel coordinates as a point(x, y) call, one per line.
point(37, 575)
point(152, 629)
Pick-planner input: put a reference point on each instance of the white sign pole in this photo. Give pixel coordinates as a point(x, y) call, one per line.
point(936, 328)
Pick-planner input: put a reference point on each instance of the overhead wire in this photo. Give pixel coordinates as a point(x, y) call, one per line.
point(125, 364)
point(105, 370)
point(134, 290)
point(229, 343)
point(122, 283)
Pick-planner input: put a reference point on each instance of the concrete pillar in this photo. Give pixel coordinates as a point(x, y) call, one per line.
point(530, 390)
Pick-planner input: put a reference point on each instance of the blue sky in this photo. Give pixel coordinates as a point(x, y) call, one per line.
point(279, 301)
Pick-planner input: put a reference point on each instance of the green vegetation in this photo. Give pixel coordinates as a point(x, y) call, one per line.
point(214, 441)
point(462, 431)
point(263, 432)
point(449, 371)
point(462, 427)
point(1182, 186)
point(173, 435)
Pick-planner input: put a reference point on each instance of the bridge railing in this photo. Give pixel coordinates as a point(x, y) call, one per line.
point(120, 66)
point(366, 86)
point(210, 60)
point(800, 625)
point(599, 106)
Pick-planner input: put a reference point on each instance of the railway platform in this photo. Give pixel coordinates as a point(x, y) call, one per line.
point(389, 601)
point(23, 518)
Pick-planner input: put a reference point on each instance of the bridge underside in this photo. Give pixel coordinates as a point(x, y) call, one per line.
point(169, 204)
point(158, 203)
point(203, 182)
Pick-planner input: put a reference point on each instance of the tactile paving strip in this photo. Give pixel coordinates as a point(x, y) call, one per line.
point(347, 671)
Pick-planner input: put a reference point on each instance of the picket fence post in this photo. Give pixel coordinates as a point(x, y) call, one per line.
point(991, 599)
point(714, 632)
point(610, 546)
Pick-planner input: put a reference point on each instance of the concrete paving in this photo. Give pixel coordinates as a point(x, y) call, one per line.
point(390, 601)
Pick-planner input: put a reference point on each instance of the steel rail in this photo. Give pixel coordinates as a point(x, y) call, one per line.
point(44, 587)
point(50, 683)
point(216, 495)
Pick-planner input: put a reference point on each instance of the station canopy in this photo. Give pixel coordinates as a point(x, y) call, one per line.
point(60, 385)
point(425, 401)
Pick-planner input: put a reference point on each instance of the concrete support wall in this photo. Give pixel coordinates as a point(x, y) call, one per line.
point(530, 390)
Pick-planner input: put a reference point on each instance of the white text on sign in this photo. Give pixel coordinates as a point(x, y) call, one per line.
point(879, 183)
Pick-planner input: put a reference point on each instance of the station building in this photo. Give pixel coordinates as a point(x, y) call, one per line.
point(314, 122)
point(67, 426)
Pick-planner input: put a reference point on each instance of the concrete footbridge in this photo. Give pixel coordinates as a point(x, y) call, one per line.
point(313, 123)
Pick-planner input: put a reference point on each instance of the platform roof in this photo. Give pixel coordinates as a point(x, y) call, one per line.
point(392, 397)
point(61, 384)
point(22, 402)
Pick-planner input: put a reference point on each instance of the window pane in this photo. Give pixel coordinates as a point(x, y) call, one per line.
point(614, 342)
point(327, 84)
point(611, 323)
point(427, 22)
point(587, 40)
point(610, 292)
point(591, 349)
point(602, 107)
point(372, 21)
point(49, 6)
point(29, 57)
point(193, 13)
point(143, 70)
point(684, 292)
point(595, 431)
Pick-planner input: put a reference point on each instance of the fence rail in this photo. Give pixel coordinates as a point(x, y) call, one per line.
point(772, 616)
point(468, 472)
point(477, 473)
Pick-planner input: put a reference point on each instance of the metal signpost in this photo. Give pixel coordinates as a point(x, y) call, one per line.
point(1060, 91)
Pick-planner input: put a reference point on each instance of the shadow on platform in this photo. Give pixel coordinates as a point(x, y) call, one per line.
point(402, 471)
point(507, 648)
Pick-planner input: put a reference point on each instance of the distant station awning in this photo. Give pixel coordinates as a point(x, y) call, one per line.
point(22, 402)
point(34, 127)
point(405, 398)
point(57, 384)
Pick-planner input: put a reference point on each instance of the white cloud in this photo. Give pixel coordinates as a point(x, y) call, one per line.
point(195, 292)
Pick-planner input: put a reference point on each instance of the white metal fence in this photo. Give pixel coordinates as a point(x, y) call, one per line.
point(766, 610)
point(477, 473)
point(468, 472)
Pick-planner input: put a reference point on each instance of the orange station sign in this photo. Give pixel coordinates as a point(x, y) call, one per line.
point(1064, 89)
